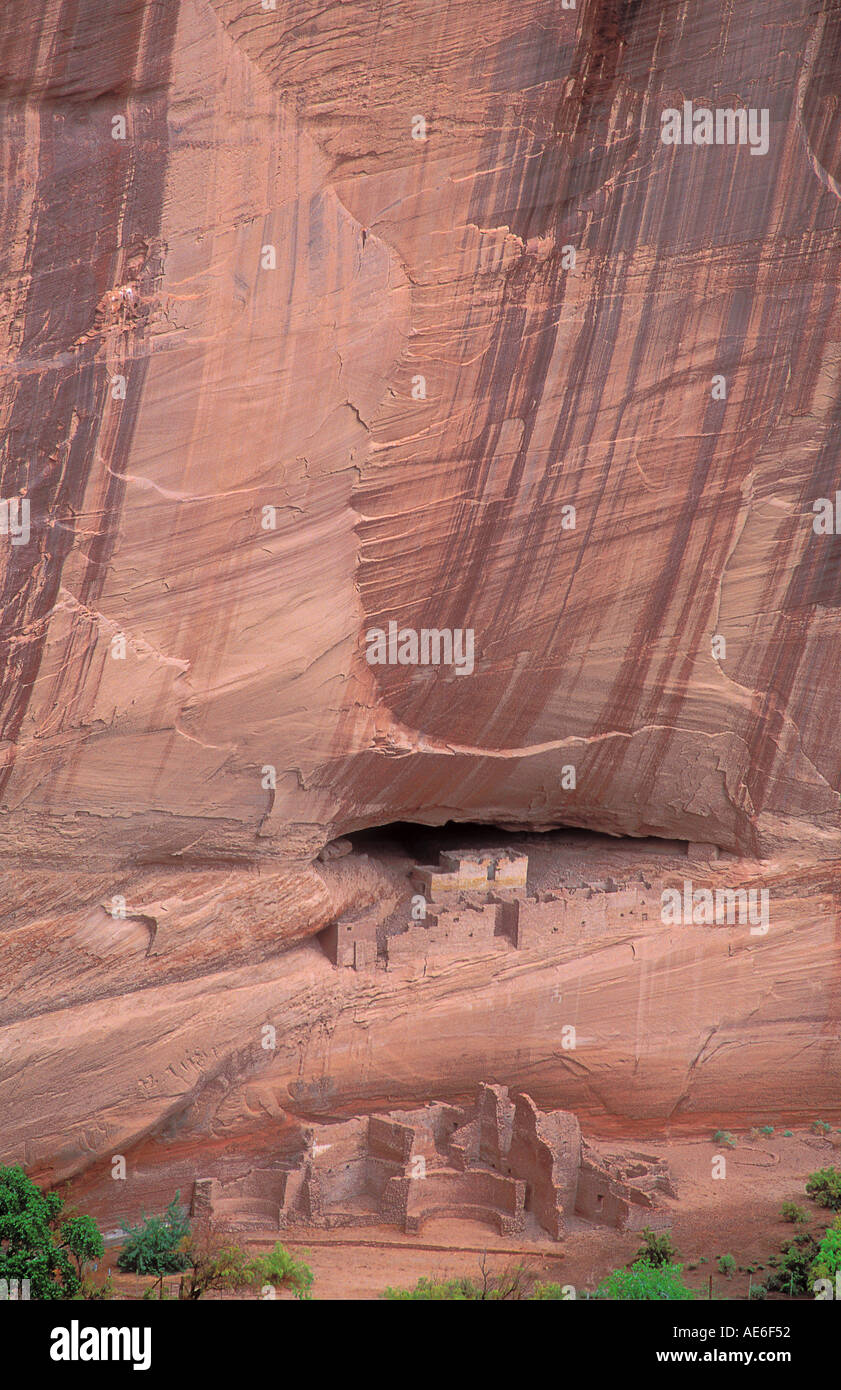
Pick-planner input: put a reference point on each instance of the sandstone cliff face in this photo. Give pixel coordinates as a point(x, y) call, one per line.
point(292, 388)
point(277, 372)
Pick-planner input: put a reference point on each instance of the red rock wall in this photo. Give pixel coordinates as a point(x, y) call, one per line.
point(197, 774)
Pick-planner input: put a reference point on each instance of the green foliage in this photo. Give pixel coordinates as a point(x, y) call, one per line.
point(96, 1293)
point(766, 1129)
point(726, 1265)
point(792, 1272)
point(790, 1211)
point(30, 1245)
point(80, 1235)
point(283, 1271)
point(214, 1262)
point(828, 1259)
point(655, 1250)
point(787, 1134)
point(725, 1138)
point(824, 1187)
point(511, 1285)
point(432, 1291)
point(645, 1282)
point(154, 1246)
point(549, 1293)
point(821, 1127)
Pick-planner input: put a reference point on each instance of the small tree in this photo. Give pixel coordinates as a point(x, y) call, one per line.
point(80, 1235)
point(154, 1246)
point(30, 1244)
point(215, 1263)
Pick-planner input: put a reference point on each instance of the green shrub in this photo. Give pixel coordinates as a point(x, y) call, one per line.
point(827, 1261)
point(645, 1282)
point(787, 1134)
point(655, 1249)
point(824, 1187)
point(726, 1265)
point(97, 1293)
point(724, 1137)
point(821, 1127)
point(282, 1271)
point(793, 1271)
point(154, 1247)
point(766, 1129)
point(512, 1285)
point(790, 1211)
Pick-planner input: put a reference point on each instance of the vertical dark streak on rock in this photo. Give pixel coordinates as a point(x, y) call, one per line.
point(94, 211)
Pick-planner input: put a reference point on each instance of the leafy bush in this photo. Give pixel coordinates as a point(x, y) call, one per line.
point(792, 1273)
point(645, 1282)
point(824, 1187)
point(726, 1265)
point(511, 1285)
point(724, 1137)
point(545, 1293)
point(787, 1134)
point(828, 1259)
point(514, 1284)
point(427, 1290)
point(790, 1211)
point(655, 1250)
point(97, 1293)
point(766, 1129)
point(821, 1127)
point(282, 1271)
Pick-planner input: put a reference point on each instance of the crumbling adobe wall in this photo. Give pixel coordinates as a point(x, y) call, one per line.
point(529, 921)
point(465, 927)
point(606, 1194)
point(476, 1192)
point(546, 1150)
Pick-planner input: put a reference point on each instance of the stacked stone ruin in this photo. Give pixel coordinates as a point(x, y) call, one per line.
point(478, 902)
point(501, 1161)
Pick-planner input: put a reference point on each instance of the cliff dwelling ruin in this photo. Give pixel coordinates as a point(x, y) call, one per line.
point(500, 1161)
point(478, 897)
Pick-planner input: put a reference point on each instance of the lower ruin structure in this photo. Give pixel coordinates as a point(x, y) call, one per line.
point(500, 1161)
